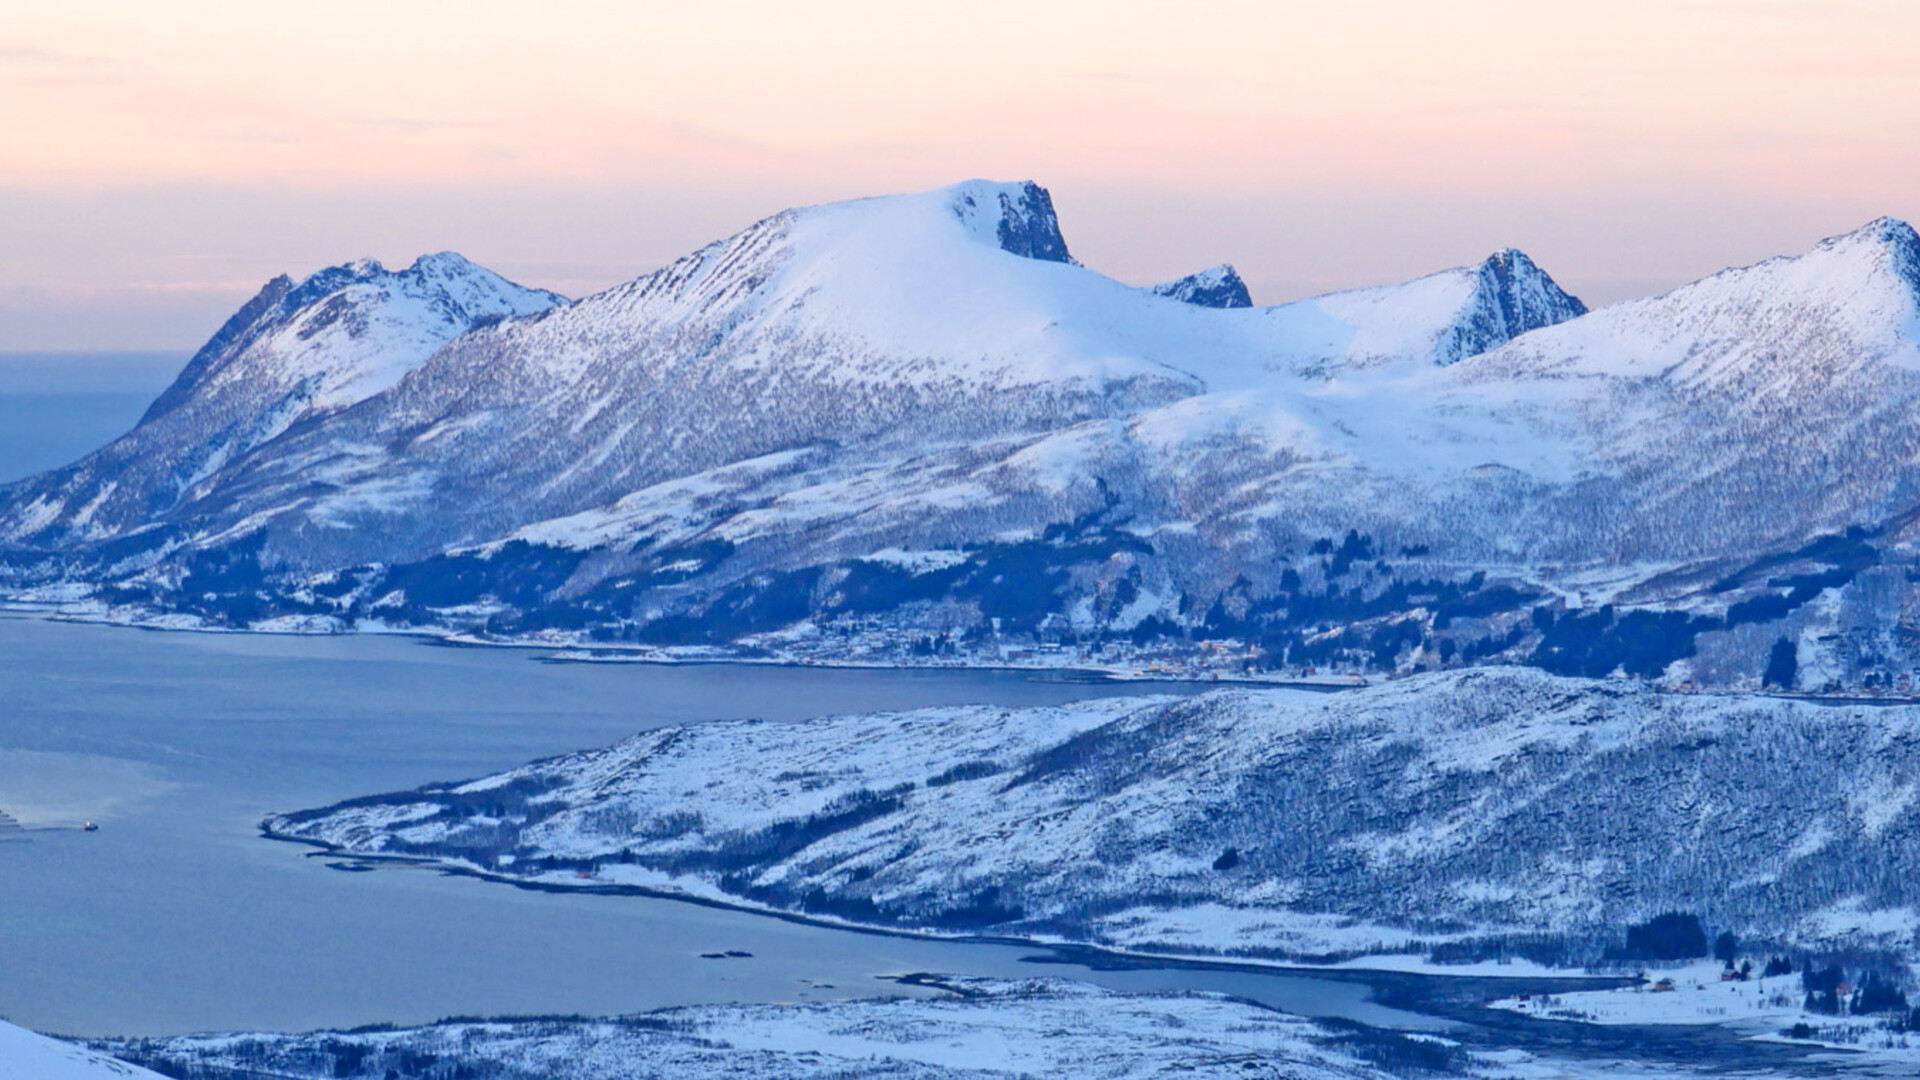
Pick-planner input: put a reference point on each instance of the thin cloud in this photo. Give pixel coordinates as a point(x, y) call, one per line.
point(414, 125)
point(13, 55)
point(31, 65)
point(190, 287)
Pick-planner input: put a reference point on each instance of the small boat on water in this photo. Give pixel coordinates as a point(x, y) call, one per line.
point(89, 827)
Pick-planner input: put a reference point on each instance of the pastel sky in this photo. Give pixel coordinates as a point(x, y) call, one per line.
point(159, 161)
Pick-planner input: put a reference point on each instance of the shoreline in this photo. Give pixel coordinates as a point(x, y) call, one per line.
point(460, 639)
point(1461, 1003)
point(1096, 957)
point(456, 639)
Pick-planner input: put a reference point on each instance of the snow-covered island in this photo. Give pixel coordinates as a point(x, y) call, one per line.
point(1489, 812)
point(1499, 813)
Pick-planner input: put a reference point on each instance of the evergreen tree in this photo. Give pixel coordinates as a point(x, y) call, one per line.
point(1783, 665)
point(1672, 936)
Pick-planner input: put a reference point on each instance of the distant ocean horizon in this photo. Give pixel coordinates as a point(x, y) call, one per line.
point(56, 407)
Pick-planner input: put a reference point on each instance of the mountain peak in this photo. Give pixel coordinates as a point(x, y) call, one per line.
point(1903, 248)
point(1885, 229)
point(439, 296)
point(1511, 296)
point(1884, 242)
point(1512, 272)
point(444, 262)
point(294, 351)
point(1510, 262)
point(1217, 287)
point(1017, 216)
point(347, 330)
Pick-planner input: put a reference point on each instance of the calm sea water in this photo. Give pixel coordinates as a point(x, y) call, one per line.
point(175, 916)
point(55, 407)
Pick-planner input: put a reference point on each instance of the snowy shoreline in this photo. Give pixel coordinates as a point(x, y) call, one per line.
point(1375, 970)
point(564, 652)
point(568, 652)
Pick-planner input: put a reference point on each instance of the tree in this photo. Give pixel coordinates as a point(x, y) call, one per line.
point(1783, 665)
point(1725, 948)
point(1877, 995)
point(1823, 988)
point(1673, 936)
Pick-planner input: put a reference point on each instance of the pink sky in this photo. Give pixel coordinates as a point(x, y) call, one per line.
point(160, 161)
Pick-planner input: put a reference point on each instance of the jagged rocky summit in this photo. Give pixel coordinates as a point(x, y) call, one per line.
point(1219, 287)
point(913, 427)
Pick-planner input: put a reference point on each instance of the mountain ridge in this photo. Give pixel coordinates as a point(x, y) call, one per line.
point(295, 351)
point(933, 373)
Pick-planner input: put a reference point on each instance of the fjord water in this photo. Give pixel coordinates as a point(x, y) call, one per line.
point(55, 407)
point(176, 916)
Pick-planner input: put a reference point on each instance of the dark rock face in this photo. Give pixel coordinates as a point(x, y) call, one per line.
point(1904, 247)
point(1219, 287)
point(1029, 228)
point(1512, 296)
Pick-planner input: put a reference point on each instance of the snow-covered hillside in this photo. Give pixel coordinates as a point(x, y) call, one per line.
point(1493, 810)
point(1760, 406)
point(723, 452)
point(1446, 317)
point(25, 1055)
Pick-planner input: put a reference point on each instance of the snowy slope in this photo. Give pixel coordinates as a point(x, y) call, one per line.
point(1001, 1030)
point(25, 1055)
point(1845, 307)
point(1439, 811)
point(1035, 1028)
point(987, 1029)
point(1767, 404)
point(1446, 317)
point(295, 351)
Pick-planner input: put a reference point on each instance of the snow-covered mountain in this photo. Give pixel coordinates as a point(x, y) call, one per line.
point(294, 352)
point(1461, 813)
point(920, 409)
point(876, 330)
